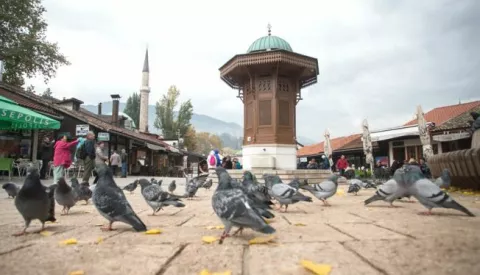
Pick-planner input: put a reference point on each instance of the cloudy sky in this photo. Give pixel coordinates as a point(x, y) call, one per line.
point(377, 59)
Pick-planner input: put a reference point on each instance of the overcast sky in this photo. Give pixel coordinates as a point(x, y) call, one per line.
point(377, 59)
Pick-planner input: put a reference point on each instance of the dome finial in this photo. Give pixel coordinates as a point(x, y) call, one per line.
point(269, 27)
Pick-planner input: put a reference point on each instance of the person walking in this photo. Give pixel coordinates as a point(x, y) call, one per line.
point(46, 156)
point(124, 158)
point(88, 155)
point(342, 164)
point(100, 159)
point(62, 158)
point(115, 161)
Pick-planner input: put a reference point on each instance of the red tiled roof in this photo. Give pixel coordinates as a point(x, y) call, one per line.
point(24, 102)
point(337, 144)
point(18, 94)
point(440, 115)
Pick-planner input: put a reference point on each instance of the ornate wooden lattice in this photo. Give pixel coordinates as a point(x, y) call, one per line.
point(265, 112)
point(264, 85)
point(284, 113)
point(283, 86)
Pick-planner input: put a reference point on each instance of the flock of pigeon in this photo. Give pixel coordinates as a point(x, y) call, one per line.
point(243, 204)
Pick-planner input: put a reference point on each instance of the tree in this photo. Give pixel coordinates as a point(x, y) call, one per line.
point(23, 46)
point(172, 125)
point(190, 139)
point(207, 142)
point(227, 151)
point(47, 93)
point(132, 108)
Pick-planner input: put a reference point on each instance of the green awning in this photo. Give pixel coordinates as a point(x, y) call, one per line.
point(16, 117)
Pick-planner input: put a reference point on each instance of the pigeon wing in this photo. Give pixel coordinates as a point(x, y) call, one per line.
point(283, 191)
point(151, 192)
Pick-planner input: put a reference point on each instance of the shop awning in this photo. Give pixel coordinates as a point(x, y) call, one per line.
point(394, 133)
point(155, 147)
point(16, 117)
point(451, 137)
point(173, 149)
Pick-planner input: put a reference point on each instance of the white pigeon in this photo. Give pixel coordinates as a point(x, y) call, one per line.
point(323, 190)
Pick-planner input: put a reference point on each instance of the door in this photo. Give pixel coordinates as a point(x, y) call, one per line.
point(399, 153)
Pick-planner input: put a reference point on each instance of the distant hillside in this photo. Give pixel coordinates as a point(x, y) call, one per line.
point(228, 131)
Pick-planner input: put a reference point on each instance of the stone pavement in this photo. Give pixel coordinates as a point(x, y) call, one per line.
point(353, 239)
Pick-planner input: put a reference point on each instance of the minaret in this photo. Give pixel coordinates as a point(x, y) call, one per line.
point(144, 94)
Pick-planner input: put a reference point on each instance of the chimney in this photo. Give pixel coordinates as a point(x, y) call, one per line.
point(115, 107)
point(71, 103)
point(100, 108)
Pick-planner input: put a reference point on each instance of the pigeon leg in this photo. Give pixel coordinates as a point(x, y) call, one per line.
point(224, 235)
point(427, 213)
point(239, 231)
point(392, 206)
point(410, 200)
point(24, 231)
point(325, 203)
point(41, 229)
point(86, 202)
point(109, 228)
point(286, 207)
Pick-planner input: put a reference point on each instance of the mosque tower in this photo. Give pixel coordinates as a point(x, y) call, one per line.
point(144, 94)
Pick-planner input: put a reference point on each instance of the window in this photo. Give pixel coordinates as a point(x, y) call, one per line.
point(284, 113)
point(265, 110)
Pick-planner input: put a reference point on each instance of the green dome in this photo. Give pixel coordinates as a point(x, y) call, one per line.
point(269, 42)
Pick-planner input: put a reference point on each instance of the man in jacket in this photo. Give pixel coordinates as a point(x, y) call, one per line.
point(342, 164)
point(89, 161)
point(124, 157)
point(46, 156)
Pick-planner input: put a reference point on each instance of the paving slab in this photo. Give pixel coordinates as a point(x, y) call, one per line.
point(350, 237)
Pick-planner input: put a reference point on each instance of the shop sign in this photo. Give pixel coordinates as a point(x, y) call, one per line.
point(23, 118)
point(102, 136)
point(82, 130)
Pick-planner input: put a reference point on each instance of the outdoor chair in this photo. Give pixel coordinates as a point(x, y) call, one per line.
point(6, 164)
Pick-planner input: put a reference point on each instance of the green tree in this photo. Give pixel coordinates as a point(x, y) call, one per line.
point(207, 142)
point(23, 44)
point(132, 108)
point(166, 120)
point(47, 93)
point(190, 139)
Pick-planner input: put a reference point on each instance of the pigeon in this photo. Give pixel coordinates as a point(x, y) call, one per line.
point(323, 190)
point(385, 192)
point(154, 181)
point(208, 184)
point(64, 195)
point(111, 202)
point(11, 189)
point(34, 201)
point(427, 193)
point(368, 184)
point(81, 191)
point(172, 186)
point(284, 193)
point(295, 183)
point(258, 194)
point(156, 198)
point(444, 180)
point(234, 208)
point(131, 186)
point(191, 186)
point(354, 188)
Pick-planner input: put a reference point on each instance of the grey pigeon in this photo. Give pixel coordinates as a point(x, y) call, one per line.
point(11, 189)
point(323, 190)
point(64, 195)
point(172, 186)
point(208, 184)
point(154, 181)
point(354, 188)
point(81, 191)
point(131, 186)
point(234, 208)
point(444, 180)
point(385, 192)
point(191, 186)
point(34, 202)
point(295, 183)
point(284, 193)
point(257, 190)
point(156, 198)
point(111, 202)
point(431, 196)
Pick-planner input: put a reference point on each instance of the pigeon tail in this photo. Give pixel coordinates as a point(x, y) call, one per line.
point(302, 197)
point(267, 230)
point(455, 205)
point(307, 187)
point(174, 203)
point(375, 197)
point(135, 222)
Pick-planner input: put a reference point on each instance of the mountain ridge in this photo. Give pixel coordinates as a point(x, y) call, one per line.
point(201, 122)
